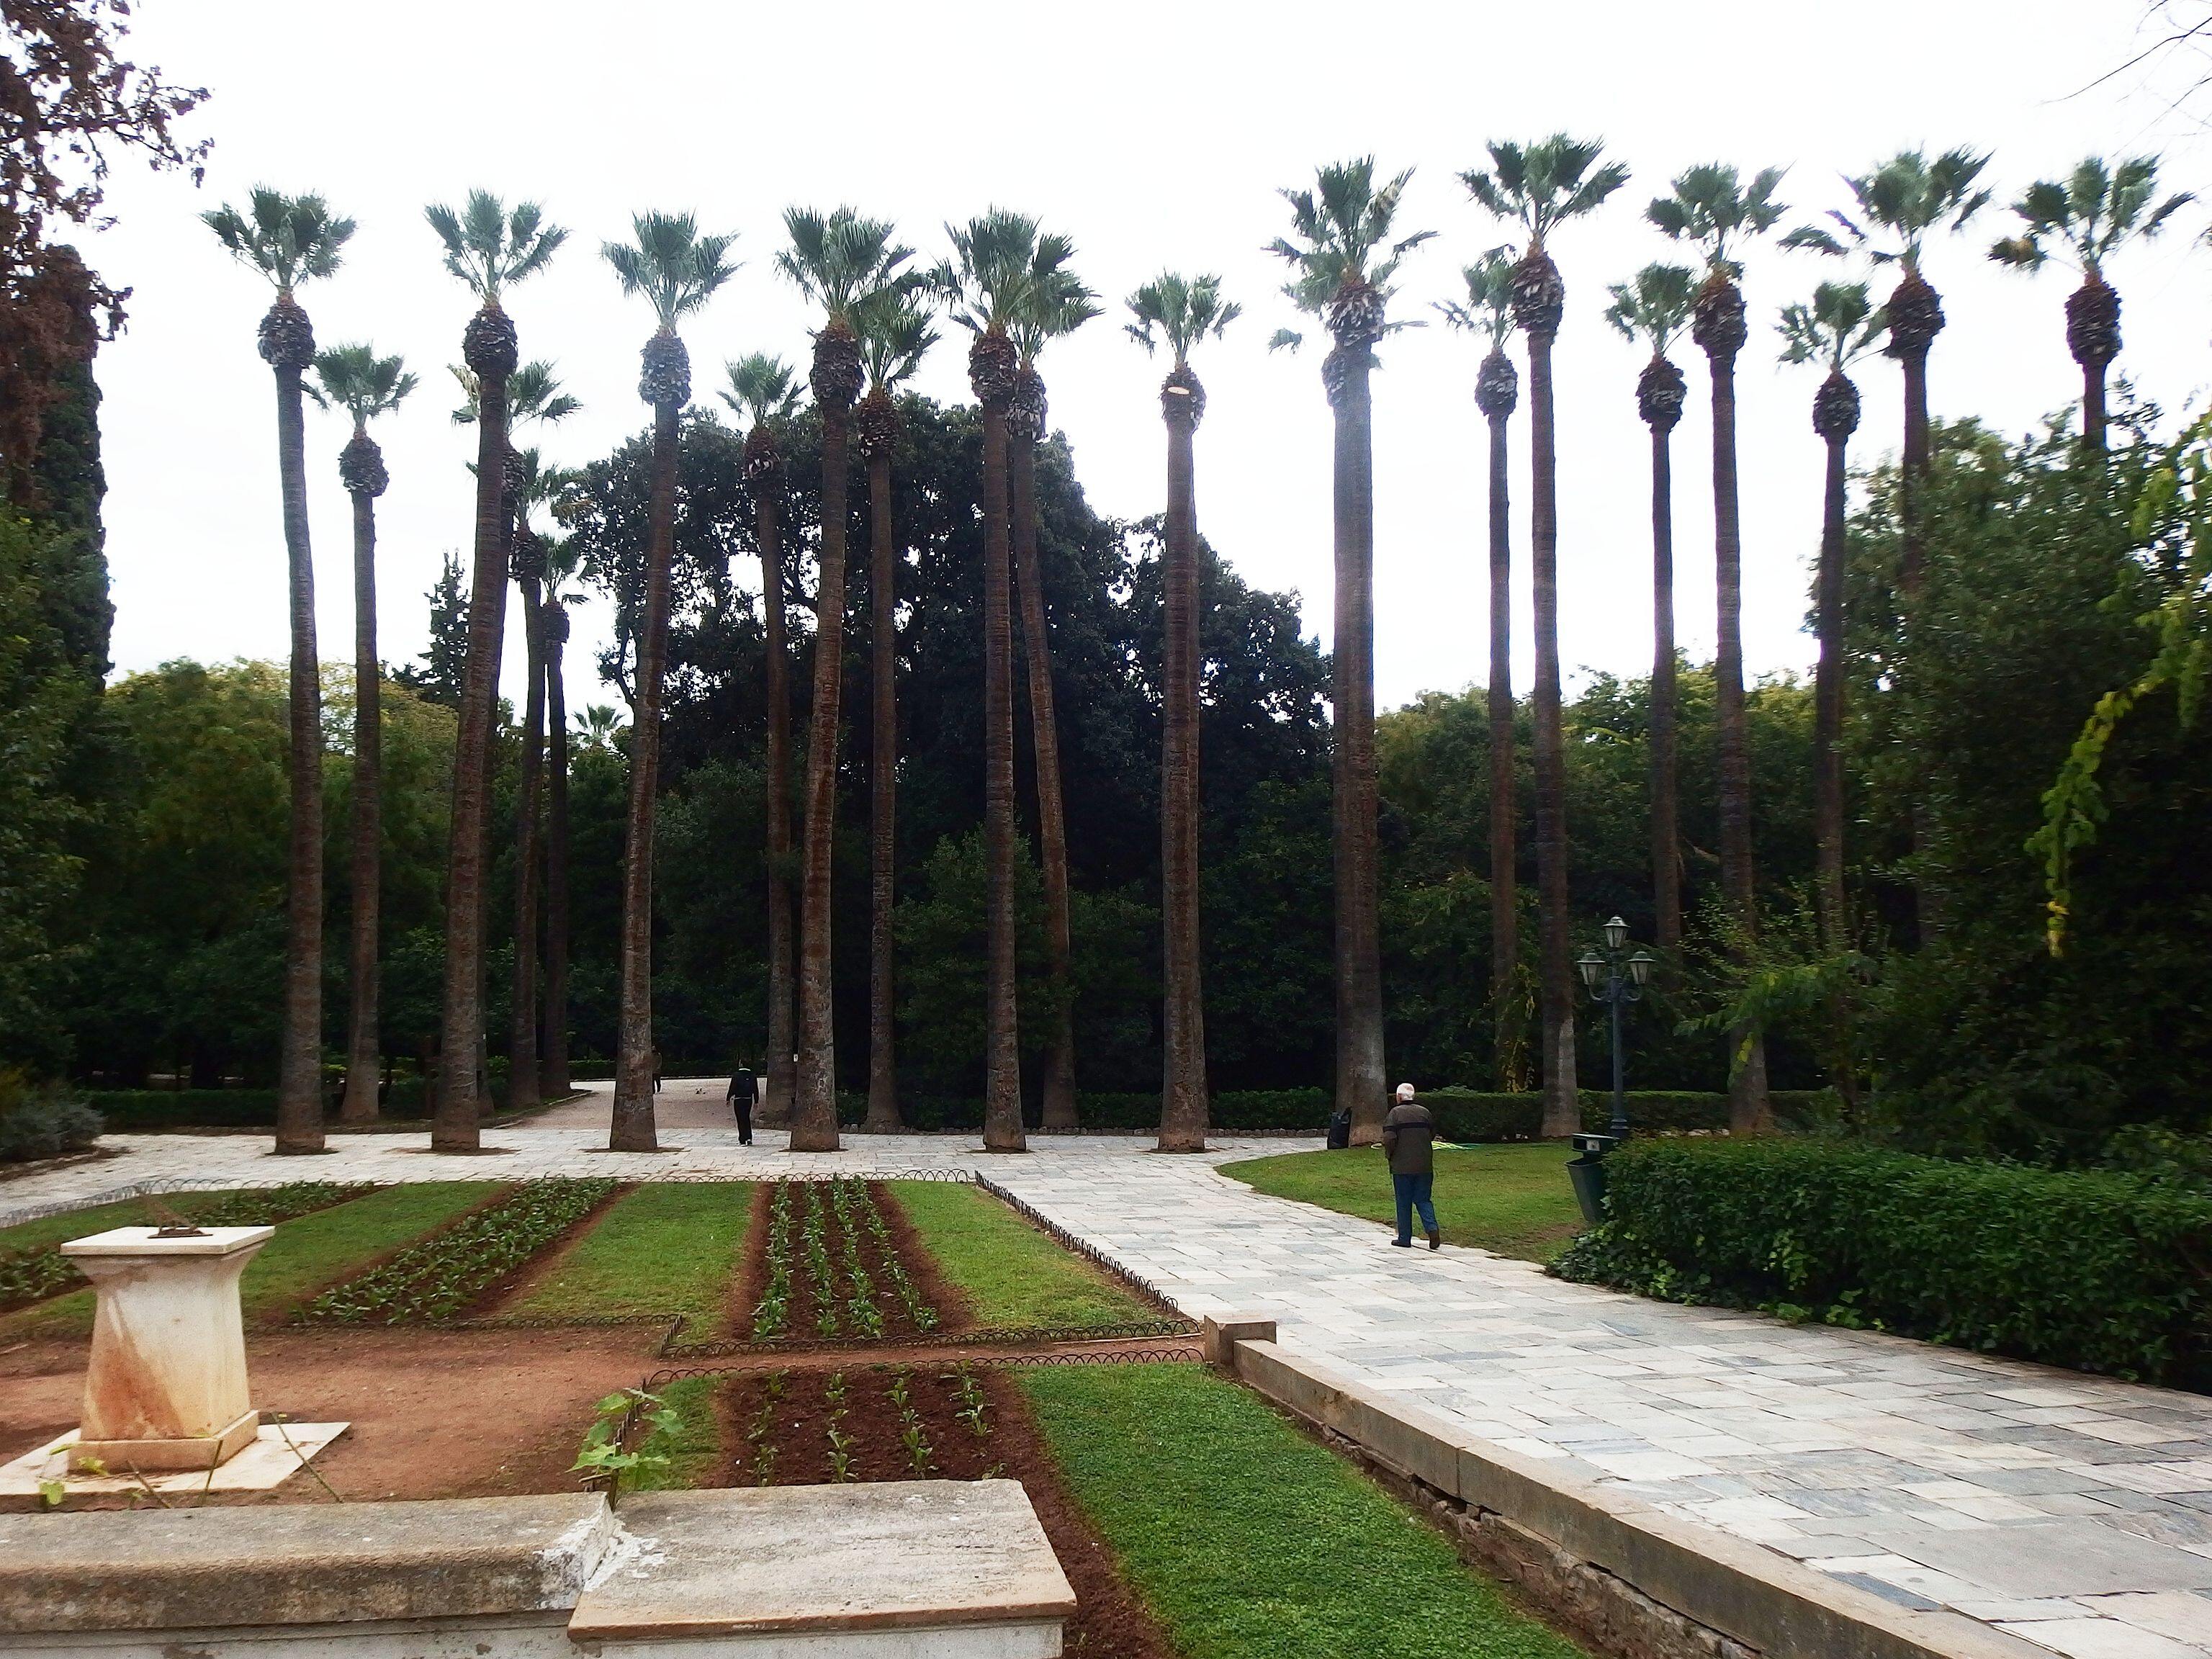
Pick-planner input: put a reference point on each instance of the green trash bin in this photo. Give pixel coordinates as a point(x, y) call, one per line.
point(1586, 1172)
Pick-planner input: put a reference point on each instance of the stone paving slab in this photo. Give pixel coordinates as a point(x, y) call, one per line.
point(2073, 1512)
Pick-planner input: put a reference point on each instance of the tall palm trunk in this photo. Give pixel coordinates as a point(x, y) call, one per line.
point(1497, 391)
point(1835, 417)
point(1659, 399)
point(1183, 1107)
point(1719, 328)
point(879, 429)
point(633, 1127)
point(288, 345)
point(991, 370)
point(361, 467)
point(764, 473)
point(1539, 299)
point(553, 1062)
point(1360, 1084)
point(2092, 335)
point(488, 348)
point(1025, 423)
point(1916, 316)
point(814, 1116)
point(524, 1085)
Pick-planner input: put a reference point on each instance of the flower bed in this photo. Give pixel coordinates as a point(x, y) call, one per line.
point(440, 1277)
point(33, 1275)
point(832, 1268)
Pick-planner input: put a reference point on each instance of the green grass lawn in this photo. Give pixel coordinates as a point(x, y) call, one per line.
point(666, 1247)
point(307, 1253)
point(1014, 1276)
point(692, 1444)
point(1512, 1200)
point(1249, 1541)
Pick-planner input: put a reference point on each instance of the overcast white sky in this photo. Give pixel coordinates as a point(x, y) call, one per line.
point(1156, 135)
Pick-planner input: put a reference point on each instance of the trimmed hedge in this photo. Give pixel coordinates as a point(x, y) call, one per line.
point(150, 1111)
point(2092, 1270)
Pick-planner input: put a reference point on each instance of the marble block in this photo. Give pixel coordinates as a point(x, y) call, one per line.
point(166, 1387)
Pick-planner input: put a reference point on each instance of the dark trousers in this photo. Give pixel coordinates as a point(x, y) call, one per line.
point(745, 1111)
point(1413, 1192)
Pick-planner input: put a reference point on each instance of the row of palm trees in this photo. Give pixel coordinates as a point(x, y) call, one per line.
point(1011, 286)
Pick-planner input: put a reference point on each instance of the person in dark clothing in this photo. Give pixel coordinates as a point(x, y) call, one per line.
point(1409, 1138)
point(1340, 1128)
point(744, 1095)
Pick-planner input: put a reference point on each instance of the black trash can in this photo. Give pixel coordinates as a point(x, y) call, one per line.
point(1586, 1172)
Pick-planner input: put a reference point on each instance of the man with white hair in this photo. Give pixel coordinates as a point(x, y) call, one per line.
point(1409, 1138)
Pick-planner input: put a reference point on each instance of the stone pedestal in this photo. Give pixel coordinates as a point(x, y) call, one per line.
point(166, 1388)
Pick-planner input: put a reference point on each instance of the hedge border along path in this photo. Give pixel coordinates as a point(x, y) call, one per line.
point(33, 1268)
point(2089, 1270)
point(438, 1277)
point(1247, 1541)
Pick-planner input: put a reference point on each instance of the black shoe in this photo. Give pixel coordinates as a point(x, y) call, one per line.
point(1436, 1241)
point(1402, 1244)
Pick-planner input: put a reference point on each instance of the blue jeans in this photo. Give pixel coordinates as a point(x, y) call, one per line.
point(1413, 1193)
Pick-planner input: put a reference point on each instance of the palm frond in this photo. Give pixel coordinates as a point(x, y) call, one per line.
point(289, 239)
point(357, 380)
point(1712, 207)
point(1540, 187)
point(1840, 326)
point(1654, 306)
point(2088, 216)
point(1179, 310)
point(1343, 229)
point(489, 247)
point(894, 336)
point(985, 283)
point(841, 261)
point(670, 264)
point(534, 393)
point(761, 389)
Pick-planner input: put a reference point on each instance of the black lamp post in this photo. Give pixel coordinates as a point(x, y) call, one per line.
point(1616, 978)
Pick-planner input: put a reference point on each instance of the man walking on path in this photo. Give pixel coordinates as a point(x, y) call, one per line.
point(1409, 1135)
point(744, 1095)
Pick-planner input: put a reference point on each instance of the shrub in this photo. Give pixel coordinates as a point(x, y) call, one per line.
point(2098, 1271)
point(43, 1121)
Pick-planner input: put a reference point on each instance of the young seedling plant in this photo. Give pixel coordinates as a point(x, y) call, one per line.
point(602, 1457)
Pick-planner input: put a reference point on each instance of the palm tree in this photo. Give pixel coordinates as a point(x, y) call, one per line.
point(291, 240)
point(1901, 204)
point(985, 283)
point(2086, 218)
point(561, 558)
point(1539, 187)
point(675, 270)
point(1341, 265)
point(761, 389)
point(489, 249)
point(1836, 330)
point(1054, 304)
point(1489, 312)
point(1654, 309)
point(894, 336)
point(1180, 311)
point(1713, 209)
point(365, 385)
point(841, 262)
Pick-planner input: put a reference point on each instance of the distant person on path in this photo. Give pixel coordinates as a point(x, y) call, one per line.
point(1340, 1128)
point(744, 1095)
point(1409, 1138)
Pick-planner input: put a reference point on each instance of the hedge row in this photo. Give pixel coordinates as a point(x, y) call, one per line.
point(2095, 1271)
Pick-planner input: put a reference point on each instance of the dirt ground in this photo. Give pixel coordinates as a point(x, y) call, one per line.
point(434, 1413)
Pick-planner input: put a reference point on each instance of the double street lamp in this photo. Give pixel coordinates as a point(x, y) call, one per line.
point(1616, 978)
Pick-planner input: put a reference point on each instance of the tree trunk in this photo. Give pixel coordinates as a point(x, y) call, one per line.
point(300, 1066)
point(883, 799)
point(524, 1088)
point(780, 1072)
point(1666, 837)
point(460, 1103)
point(1562, 1104)
point(1828, 704)
point(2093, 418)
point(1183, 1107)
point(553, 1064)
point(1913, 475)
point(364, 1045)
point(633, 1127)
point(1058, 1111)
point(1361, 1083)
point(814, 1114)
point(1002, 1086)
point(1749, 1109)
point(1504, 794)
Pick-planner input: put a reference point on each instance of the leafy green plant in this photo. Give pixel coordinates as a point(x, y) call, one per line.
point(602, 1457)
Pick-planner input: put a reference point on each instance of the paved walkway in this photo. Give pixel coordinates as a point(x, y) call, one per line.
point(2070, 1511)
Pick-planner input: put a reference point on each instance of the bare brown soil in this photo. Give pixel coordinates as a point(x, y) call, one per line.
point(810, 1298)
point(434, 1413)
point(1109, 1622)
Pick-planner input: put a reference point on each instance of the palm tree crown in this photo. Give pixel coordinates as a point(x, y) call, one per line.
point(842, 261)
point(761, 389)
point(534, 393)
point(1488, 309)
point(1840, 326)
point(1054, 301)
point(1900, 203)
point(1712, 207)
point(1344, 258)
point(670, 264)
point(896, 335)
point(1179, 312)
point(490, 248)
point(2087, 215)
point(999, 258)
point(1654, 306)
point(357, 380)
point(288, 239)
point(1543, 185)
